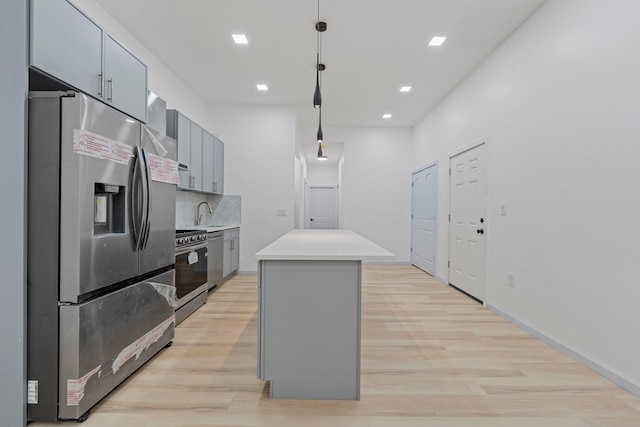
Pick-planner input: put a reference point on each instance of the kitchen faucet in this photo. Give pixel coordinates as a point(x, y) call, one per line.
point(199, 215)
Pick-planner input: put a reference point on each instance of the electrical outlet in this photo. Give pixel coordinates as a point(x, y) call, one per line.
point(281, 212)
point(503, 209)
point(510, 280)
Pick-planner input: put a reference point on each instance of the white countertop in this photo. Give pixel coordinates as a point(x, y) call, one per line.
point(209, 228)
point(323, 245)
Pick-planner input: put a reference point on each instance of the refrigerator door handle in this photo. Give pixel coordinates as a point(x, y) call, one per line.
point(146, 219)
point(137, 198)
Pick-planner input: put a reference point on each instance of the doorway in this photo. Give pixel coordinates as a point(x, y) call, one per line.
point(424, 208)
point(321, 207)
point(468, 221)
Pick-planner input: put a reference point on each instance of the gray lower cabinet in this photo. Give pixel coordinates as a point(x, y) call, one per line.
point(231, 258)
point(309, 328)
point(215, 258)
point(68, 46)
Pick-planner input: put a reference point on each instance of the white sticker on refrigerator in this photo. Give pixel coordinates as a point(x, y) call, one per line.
point(98, 146)
point(163, 170)
point(75, 388)
point(141, 344)
point(32, 392)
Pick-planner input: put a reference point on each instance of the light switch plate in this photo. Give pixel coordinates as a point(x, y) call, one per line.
point(281, 212)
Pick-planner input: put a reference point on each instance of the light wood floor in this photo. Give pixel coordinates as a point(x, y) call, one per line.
point(430, 357)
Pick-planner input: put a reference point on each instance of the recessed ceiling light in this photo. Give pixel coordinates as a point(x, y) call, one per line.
point(262, 87)
point(437, 41)
point(386, 116)
point(240, 39)
point(405, 88)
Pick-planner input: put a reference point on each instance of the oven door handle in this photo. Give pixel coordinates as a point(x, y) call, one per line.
point(184, 250)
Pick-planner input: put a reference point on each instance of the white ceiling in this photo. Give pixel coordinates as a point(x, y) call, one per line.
point(371, 48)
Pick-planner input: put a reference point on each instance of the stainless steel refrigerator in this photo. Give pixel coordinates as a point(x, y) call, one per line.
point(101, 230)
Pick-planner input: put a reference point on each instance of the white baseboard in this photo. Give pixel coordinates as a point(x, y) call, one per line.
point(441, 279)
point(610, 375)
point(385, 262)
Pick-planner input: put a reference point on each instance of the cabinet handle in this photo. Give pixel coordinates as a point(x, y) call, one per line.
point(110, 96)
point(215, 186)
point(101, 82)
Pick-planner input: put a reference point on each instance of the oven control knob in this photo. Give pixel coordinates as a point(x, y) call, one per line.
point(180, 241)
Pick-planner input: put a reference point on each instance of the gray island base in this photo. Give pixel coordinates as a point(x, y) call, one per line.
point(309, 311)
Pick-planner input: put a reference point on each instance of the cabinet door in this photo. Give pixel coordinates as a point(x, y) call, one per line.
point(179, 128)
point(66, 45)
point(218, 166)
point(235, 254)
point(207, 162)
point(196, 157)
point(226, 259)
point(125, 80)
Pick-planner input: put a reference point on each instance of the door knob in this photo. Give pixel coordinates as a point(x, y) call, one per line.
point(311, 219)
point(480, 231)
point(481, 220)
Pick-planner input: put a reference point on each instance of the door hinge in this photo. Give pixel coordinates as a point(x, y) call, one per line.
point(449, 264)
point(449, 218)
point(449, 171)
point(411, 249)
point(411, 216)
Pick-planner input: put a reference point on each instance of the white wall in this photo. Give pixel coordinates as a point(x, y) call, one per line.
point(560, 101)
point(318, 174)
point(376, 185)
point(13, 257)
point(259, 166)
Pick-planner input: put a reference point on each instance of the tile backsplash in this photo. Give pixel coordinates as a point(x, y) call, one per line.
point(226, 209)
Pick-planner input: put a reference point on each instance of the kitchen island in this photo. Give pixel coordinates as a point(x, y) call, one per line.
point(309, 310)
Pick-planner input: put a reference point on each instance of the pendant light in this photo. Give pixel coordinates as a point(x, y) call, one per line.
point(317, 96)
point(319, 135)
point(321, 27)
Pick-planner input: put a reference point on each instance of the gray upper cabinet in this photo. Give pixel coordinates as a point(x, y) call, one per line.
point(200, 155)
point(196, 157)
point(125, 80)
point(212, 164)
point(67, 45)
point(179, 128)
point(218, 166)
point(208, 184)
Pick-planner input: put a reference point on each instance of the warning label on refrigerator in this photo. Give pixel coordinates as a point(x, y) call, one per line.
point(163, 170)
point(94, 145)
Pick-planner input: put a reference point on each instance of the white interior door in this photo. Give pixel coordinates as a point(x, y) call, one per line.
point(467, 234)
point(424, 207)
point(322, 207)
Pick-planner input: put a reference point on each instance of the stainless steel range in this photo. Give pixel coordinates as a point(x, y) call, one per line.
point(191, 271)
